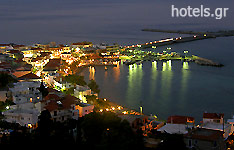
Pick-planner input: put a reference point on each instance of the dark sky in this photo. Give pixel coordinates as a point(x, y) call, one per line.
point(31, 21)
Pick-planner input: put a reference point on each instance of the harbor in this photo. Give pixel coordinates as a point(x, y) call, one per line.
point(132, 56)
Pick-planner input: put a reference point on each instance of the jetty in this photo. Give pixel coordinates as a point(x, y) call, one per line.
point(130, 57)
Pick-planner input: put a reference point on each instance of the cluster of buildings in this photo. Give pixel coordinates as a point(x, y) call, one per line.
point(45, 65)
point(29, 103)
point(211, 134)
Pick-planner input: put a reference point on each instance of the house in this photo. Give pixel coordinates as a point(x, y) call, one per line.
point(5, 58)
point(4, 47)
point(5, 67)
point(136, 121)
point(204, 139)
point(178, 125)
point(231, 122)
point(215, 121)
point(27, 116)
point(84, 109)
point(30, 77)
point(23, 92)
point(180, 120)
point(213, 117)
point(26, 97)
point(81, 45)
point(63, 108)
point(52, 66)
point(66, 55)
point(81, 91)
point(3, 94)
point(112, 48)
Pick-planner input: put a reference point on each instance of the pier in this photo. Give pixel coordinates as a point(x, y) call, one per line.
point(169, 41)
point(130, 57)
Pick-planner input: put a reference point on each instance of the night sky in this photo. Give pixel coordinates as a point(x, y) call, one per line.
point(30, 21)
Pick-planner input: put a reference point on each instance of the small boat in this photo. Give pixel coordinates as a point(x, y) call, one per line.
point(105, 68)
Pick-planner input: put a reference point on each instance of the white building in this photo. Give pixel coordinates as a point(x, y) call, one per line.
point(212, 117)
point(24, 114)
point(215, 121)
point(81, 91)
point(231, 122)
point(26, 96)
point(178, 125)
point(24, 92)
point(175, 128)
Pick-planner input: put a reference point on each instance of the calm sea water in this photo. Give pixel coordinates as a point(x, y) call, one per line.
point(174, 88)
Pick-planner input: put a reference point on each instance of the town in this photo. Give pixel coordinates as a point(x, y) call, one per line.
point(43, 98)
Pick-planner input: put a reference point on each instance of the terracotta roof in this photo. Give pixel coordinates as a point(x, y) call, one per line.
point(51, 106)
point(17, 46)
point(53, 64)
point(5, 44)
point(213, 115)
point(50, 90)
point(5, 64)
point(20, 73)
point(43, 54)
point(29, 76)
point(82, 43)
point(180, 119)
point(204, 134)
point(51, 97)
point(68, 100)
point(36, 48)
point(36, 59)
point(15, 52)
point(61, 104)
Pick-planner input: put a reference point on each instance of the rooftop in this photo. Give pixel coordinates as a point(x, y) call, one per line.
point(175, 128)
point(29, 76)
point(213, 116)
point(204, 134)
point(180, 119)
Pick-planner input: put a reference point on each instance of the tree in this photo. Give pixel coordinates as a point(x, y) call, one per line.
point(6, 79)
point(107, 131)
point(75, 79)
point(93, 86)
point(43, 90)
point(45, 125)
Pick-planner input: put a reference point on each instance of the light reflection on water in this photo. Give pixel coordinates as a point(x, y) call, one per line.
point(134, 84)
point(164, 88)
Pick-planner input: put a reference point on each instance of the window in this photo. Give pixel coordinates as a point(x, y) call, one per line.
point(190, 143)
point(55, 113)
point(195, 142)
point(215, 144)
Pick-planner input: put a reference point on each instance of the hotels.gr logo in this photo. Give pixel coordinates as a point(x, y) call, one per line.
point(218, 13)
